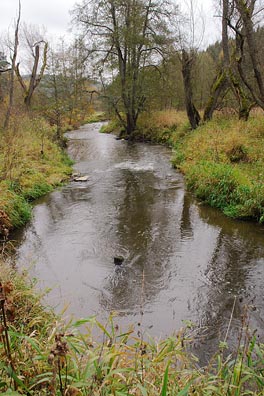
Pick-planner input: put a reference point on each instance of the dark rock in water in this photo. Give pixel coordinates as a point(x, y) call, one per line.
point(118, 260)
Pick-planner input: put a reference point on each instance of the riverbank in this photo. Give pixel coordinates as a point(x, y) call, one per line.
point(31, 164)
point(222, 160)
point(48, 356)
point(41, 355)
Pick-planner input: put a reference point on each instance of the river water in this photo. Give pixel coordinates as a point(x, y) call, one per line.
point(183, 261)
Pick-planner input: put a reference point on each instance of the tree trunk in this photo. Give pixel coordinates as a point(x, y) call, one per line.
point(130, 124)
point(219, 85)
point(233, 81)
point(192, 112)
point(34, 79)
point(12, 77)
point(246, 12)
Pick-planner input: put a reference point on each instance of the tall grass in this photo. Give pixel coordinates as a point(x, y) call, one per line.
point(223, 161)
point(31, 164)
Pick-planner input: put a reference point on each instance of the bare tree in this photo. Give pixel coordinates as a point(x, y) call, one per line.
point(247, 11)
point(36, 44)
point(230, 70)
point(12, 72)
point(189, 43)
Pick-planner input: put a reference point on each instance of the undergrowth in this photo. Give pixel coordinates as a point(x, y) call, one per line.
point(31, 164)
point(223, 161)
point(41, 355)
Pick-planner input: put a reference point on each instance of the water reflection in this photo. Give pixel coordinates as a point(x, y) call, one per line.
point(183, 261)
point(142, 225)
point(236, 263)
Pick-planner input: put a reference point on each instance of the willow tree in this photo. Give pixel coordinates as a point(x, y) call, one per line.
point(125, 37)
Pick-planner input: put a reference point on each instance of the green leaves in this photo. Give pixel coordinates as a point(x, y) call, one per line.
point(165, 381)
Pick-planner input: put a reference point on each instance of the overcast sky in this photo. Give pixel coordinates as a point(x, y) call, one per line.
point(54, 15)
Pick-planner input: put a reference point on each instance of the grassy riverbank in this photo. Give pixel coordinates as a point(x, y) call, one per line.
point(40, 355)
point(31, 164)
point(223, 160)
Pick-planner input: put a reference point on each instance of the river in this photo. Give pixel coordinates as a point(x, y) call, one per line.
point(183, 261)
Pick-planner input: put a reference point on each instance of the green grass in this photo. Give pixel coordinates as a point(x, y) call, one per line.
point(96, 117)
point(223, 161)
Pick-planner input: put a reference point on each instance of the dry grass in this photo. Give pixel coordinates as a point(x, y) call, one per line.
point(30, 165)
point(223, 161)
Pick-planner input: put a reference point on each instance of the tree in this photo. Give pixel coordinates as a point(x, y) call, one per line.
point(12, 72)
point(188, 59)
point(65, 91)
point(35, 44)
point(4, 68)
point(228, 78)
point(126, 36)
point(4, 64)
point(247, 11)
point(188, 51)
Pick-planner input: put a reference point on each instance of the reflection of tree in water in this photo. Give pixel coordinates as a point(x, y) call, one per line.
point(229, 277)
point(185, 223)
point(144, 230)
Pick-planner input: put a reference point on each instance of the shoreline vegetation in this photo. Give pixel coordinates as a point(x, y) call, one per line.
point(222, 160)
point(41, 354)
point(32, 163)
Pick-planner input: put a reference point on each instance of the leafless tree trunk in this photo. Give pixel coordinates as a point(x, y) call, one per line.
point(12, 72)
point(34, 78)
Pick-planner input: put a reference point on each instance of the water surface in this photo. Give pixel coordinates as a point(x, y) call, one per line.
point(183, 261)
